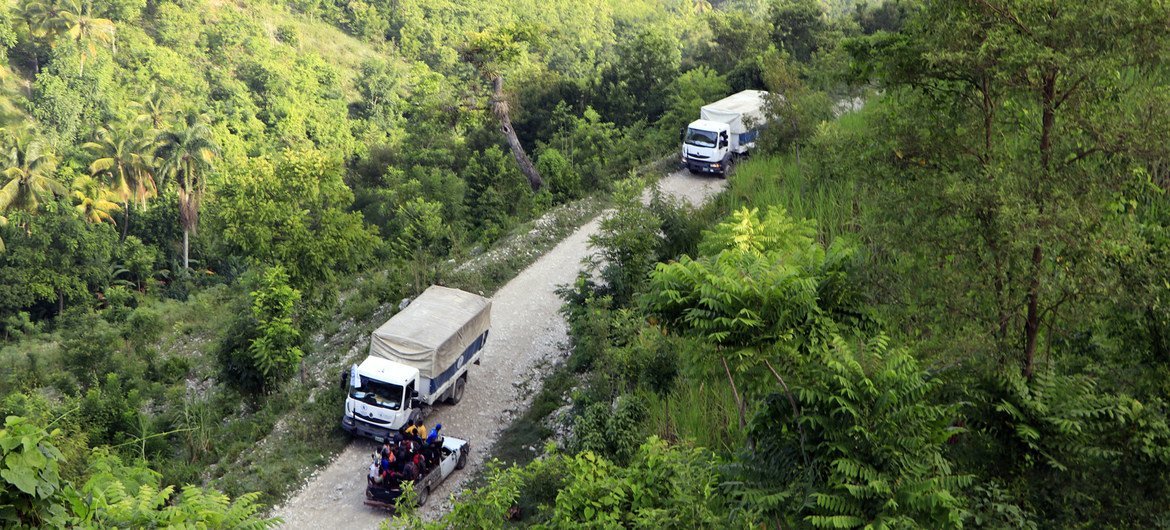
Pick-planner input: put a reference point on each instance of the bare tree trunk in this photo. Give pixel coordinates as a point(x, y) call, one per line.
point(186, 248)
point(125, 221)
point(500, 109)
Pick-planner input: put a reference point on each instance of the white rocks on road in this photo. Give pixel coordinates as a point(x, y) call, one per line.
point(527, 335)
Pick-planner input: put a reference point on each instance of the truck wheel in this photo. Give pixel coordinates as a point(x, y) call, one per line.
point(462, 462)
point(423, 495)
point(457, 392)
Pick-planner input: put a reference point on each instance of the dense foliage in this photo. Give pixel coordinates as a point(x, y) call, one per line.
point(941, 309)
point(936, 298)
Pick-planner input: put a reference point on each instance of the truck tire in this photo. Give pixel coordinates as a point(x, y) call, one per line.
point(423, 495)
point(457, 390)
point(462, 462)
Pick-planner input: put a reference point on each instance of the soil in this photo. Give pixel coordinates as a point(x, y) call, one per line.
point(528, 336)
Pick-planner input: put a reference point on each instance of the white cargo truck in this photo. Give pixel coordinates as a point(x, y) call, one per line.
point(726, 131)
point(417, 358)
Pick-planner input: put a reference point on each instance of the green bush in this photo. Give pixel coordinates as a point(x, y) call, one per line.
point(143, 326)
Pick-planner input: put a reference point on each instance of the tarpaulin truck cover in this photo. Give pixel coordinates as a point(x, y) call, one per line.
point(734, 109)
point(433, 330)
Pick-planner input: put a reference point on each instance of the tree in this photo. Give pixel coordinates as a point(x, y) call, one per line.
point(125, 157)
point(294, 212)
point(636, 84)
point(93, 200)
point(796, 26)
point(76, 19)
point(491, 52)
point(687, 93)
point(626, 242)
point(155, 107)
point(27, 174)
point(423, 238)
point(1004, 124)
point(276, 349)
point(187, 153)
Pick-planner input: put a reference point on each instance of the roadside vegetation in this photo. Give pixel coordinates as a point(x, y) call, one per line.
point(941, 310)
point(206, 206)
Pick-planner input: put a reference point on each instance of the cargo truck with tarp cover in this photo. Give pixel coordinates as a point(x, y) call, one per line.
point(417, 358)
point(725, 132)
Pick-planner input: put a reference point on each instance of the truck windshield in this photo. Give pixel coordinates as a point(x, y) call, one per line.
point(699, 138)
point(377, 393)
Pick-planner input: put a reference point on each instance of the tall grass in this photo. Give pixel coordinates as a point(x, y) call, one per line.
point(779, 181)
point(701, 411)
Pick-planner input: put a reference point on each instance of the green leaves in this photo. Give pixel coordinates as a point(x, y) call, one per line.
point(276, 350)
point(759, 280)
point(860, 445)
point(30, 489)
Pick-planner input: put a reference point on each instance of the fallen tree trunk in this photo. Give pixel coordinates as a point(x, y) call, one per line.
point(501, 111)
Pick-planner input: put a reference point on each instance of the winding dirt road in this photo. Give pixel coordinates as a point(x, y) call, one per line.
point(528, 334)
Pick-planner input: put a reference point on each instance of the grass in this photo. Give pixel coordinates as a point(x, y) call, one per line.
point(702, 412)
point(779, 181)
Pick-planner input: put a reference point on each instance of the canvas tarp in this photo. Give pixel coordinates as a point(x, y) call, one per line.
point(734, 109)
point(433, 330)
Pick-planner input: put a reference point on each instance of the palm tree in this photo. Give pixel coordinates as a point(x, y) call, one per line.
point(28, 170)
point(187, 153)
point(77, 20)
point(93, 200)
point(42, 19)
point(125, 156)
point(154, 108)
point(27, 174)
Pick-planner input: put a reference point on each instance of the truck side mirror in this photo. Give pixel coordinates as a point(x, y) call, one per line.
point(722, 143)
point(682, 134)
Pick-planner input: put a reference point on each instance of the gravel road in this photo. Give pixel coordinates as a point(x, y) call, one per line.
point(528, 334)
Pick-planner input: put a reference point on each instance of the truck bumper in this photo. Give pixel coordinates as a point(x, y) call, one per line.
point(358, 427)
point(703, 166)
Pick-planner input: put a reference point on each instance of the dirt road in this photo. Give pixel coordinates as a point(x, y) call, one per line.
point(527, 334)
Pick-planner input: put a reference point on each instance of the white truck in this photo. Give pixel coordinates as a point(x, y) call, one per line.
point(417, 358)
point(727, 130)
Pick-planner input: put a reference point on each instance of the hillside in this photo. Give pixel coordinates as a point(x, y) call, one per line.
point(933, 296)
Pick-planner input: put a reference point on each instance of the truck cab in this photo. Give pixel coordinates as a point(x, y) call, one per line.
point(380, 397)
point(706, 147)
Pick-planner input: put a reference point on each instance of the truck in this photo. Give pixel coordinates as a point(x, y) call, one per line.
point(725, 131)
point(452, 456)
point(418, 358)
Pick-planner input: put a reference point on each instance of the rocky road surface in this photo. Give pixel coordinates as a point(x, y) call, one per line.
point(528, 334)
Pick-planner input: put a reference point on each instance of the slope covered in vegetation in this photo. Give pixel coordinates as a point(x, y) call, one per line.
point(945, 309)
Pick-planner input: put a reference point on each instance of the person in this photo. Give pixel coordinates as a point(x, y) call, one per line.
point(375, 476)
point(434, 435)
point(409, 471)
point(420, 463)
point(420, 430)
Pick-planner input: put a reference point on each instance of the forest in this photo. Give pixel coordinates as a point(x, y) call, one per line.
point(933, 298)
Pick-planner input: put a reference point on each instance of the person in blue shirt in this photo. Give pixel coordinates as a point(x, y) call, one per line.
point(434, 435)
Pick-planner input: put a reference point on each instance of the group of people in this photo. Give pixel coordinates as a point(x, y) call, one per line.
point(407, 455)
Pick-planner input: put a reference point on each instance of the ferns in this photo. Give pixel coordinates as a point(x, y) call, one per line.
point(872, 449)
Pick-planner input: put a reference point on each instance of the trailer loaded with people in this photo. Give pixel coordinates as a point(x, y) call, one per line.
point(407, 457)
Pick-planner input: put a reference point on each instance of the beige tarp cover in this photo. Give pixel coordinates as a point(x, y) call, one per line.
point(735, 109)
point(433, 330)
